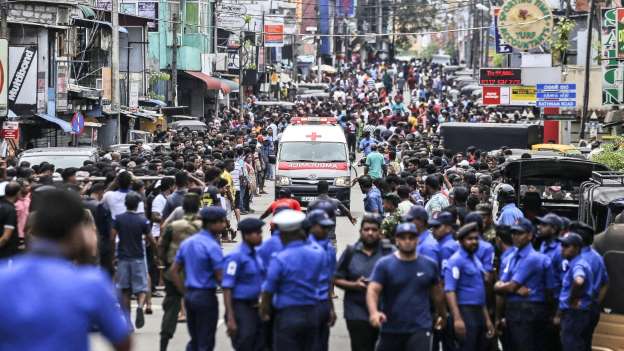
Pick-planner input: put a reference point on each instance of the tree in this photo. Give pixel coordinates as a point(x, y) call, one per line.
point(413, 16)
point(612, 154)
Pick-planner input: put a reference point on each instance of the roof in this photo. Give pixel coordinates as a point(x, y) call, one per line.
point(60, 150)
point(486, 125)
point(322, 133)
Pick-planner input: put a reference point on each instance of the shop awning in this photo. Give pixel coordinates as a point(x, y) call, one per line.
point(91, 23)
point(64, 125)
point(138, 114)
point(212, 83)
point(233, 86)
point(87, 11)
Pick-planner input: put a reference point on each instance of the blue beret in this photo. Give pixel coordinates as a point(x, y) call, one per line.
point(212, 213)
point(249, 225)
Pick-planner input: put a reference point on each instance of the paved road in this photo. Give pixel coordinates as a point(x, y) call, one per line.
point(147, 338)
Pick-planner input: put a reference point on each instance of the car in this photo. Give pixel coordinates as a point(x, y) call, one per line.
point(562, 149)
point(189, 126)
point(60, 157)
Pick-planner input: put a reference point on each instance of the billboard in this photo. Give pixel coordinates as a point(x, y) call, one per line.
point(274, 33)
point(500, 76)
point(22, 87)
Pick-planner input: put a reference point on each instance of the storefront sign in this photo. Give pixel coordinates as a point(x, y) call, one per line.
point(274, 34)
point(523, 96)
point(22, 89)
point(500, 76)
point(509, 95)
point(492, 95)
point(525, 24)
point(10, 130)
point(612, 84)
point(62, 77)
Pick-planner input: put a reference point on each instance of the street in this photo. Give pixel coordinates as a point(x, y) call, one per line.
point(147, 338)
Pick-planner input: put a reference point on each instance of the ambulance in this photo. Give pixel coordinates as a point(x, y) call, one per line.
point(312, 149)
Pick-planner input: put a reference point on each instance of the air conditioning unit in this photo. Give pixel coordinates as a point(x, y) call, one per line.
point(98, 83)
point(62, 16)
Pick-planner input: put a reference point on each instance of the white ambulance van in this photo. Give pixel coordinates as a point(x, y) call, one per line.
point(312, 149)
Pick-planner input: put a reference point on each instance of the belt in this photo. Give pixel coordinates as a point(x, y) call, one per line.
point(214, 290)
point(251, 302)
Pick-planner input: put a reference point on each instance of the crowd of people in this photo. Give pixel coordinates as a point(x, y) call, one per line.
point(444, 258)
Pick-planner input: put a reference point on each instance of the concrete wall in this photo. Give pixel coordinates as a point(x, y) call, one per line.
point(42, 12)
point(576, 74)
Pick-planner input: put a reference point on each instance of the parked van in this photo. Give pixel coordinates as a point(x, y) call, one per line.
point(60, 157)
point(308, 153)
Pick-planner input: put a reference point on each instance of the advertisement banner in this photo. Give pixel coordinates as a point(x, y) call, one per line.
point(10, 130)
point(501, 45)
point(492, 95)
point(22, 88)
point(620, 32)
point(149, 10)
point(62, 82)
point(500, 76)
point(523, 96)
point(4, 75)
point(345, 8)
point(274, 34)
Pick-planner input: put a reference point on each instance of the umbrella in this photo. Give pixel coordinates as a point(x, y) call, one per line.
point(325, 68)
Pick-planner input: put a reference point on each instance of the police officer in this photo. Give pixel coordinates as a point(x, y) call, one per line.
point(509, 213)
point(549, 227)
point(443, 229)
point(598, 268)
point(291, 286)
point(320, 225)
point(50, 303)
point(405, 283)
point(242, 279)
point(427, 244)
point(464, 284)
point(575, 300)
point(200, 257)
point(485, 250)
point(524, 283)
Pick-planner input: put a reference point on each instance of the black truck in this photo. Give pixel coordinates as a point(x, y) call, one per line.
point(457, 136)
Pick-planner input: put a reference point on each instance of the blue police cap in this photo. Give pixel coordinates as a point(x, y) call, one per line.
point(551, 219)
point(467, 229)
point(249, 225)
point(405, 228)
point(212, 213)
point(416, 212)
point(444, 217)
point(571, 239)
point(474, 217)
point(320, 217)
point(523, 226)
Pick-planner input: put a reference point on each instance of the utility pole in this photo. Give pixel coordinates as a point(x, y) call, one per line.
point(174, 61)
point(241, 91)
point(590, 24)
point(4, 27)
point(115, 66)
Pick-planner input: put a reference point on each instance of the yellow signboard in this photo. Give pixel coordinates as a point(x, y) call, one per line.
point(523, 95)
point(525, 24)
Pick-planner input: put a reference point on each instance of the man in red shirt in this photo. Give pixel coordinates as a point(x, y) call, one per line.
point(284, 200)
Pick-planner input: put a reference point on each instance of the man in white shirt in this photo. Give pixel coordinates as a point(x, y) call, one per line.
point(114, 201)
point(159, 203)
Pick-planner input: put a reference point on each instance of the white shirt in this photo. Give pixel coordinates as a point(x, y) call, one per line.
point(115, 202)
point(158, 205)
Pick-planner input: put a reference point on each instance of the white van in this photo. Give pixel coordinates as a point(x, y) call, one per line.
point(441, 59)
point(308, 153)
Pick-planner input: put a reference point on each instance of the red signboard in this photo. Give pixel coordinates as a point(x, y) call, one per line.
point(10, 130)
point(500, 76)
point(491, 95)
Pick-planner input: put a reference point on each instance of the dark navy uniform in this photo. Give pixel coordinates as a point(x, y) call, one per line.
point(244, 273)
point(527, 316)
point(201, 257)
point(292, 279)
point(576, 321)
point(464, 276)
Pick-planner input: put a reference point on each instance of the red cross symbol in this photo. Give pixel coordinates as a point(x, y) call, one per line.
point(313, 136)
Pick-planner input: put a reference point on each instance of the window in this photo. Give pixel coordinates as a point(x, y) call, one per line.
point(192, 17)
point(128, 8)
point(313, 152)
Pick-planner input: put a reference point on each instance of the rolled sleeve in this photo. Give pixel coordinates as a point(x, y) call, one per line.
point(451, 276)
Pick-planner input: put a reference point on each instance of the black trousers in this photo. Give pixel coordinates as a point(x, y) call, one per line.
point(417, 341)
point(474, 320)
point(202, 314)
point(576, 330)
point(527, 325)
point(295, 328)
point(351, 141)
point(172, 303)
point(322, 338)
point(362, 334)
point(249, 335)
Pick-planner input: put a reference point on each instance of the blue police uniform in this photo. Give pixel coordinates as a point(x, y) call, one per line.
point(510, 214)
point(269, 247)
point(601, 278)
point(576, 321)
point(325, 278)
point(448, 246)
point(552, 249)
point(428, 246)
point(201, 256)
point(373, 201)
point(49, 303)
point(485, 254)
point(292, 278)
point(527, 317)
point(465, 277)
point(244, 273)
